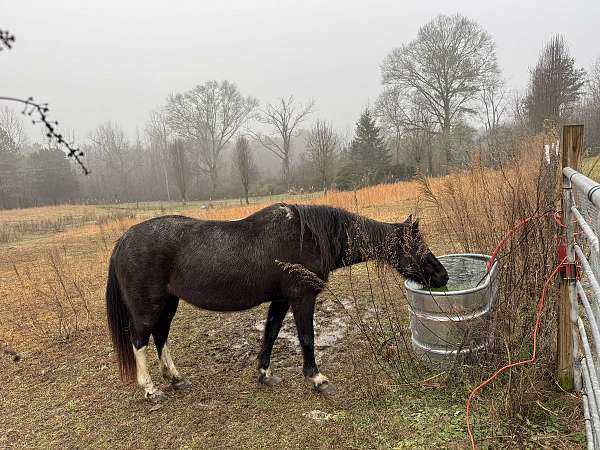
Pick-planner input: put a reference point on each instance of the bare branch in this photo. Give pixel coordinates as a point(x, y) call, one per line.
point(39, 114)
point(6, 40)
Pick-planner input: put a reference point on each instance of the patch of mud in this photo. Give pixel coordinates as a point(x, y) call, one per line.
point(330, 321)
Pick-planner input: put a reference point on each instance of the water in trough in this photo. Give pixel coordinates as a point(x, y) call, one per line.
point(465, 272)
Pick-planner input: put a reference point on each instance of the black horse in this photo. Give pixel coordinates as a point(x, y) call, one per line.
point(236, 265)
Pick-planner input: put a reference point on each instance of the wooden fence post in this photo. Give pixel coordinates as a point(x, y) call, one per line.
point(572, 151)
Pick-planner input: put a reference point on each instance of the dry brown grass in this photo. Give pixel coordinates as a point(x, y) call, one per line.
point(381, 202)
point(18, 224)
point(476, 209)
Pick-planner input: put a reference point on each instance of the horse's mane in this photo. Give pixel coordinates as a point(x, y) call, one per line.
point(333, 229)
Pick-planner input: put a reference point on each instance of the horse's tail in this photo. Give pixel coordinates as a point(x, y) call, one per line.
point(119, 325)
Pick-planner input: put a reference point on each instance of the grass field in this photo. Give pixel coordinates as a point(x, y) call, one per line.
point(64, 391)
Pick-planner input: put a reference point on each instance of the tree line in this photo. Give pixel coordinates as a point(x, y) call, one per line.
point(443, 100)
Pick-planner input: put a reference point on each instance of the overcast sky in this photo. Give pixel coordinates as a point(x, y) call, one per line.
point(95, 61)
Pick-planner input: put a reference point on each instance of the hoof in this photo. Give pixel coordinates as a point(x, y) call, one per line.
point(157, 396)
point(272, 380)
point(325, 388)
point(182, 385)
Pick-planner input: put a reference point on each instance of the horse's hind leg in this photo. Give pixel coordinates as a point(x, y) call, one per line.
point(275, 316)
point(140, 336)
point(145, 310)
point(160, 333)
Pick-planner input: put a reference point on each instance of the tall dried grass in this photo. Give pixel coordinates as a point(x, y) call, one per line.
point(16, 225)
point(379, 202)
point(54, 303)
point(478, 207)
point(53, 287)
point(475, 209)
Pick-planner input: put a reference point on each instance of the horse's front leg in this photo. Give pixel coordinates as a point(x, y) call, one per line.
point(275, 316)
point(304, 310)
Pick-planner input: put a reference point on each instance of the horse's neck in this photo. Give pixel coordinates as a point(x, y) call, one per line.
point(366, 241)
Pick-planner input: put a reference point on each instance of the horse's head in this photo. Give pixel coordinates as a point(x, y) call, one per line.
point(413, 259)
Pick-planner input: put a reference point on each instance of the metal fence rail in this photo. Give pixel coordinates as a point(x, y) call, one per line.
point(582, 206)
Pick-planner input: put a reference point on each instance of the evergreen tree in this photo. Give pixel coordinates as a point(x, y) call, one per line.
point(556, 85)
point(369, 156)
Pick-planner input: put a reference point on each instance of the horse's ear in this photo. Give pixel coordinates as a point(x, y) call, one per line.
point(409, 220)
point(415, 225)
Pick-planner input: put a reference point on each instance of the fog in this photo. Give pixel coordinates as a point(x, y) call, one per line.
point(117, 60)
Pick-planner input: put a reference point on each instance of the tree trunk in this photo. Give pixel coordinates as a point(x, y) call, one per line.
point(397, 148)
point(429, 155)
point(447, 146)
point(286, 172)
point(164, 168)
point(213, 182)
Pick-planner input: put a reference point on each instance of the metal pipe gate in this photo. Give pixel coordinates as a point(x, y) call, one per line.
point(581, 203)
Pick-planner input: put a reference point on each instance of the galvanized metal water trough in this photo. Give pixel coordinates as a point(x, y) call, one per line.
point(450, 324)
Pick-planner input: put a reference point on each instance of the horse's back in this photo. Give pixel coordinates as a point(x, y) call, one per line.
point(221, 265)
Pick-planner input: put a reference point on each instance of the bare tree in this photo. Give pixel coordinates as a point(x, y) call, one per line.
point(391, 109)
point(112, 147)
point(594, 86)
point(322, 146)
point(159, 136)
point(243, 161)
point(12, 126)
point(421, 135)
point(283, 118)
point(209, 116)
point(588, 110)
point(555, 85)
point(445, 65)
point(592, 116)
point(180, 166)
point(493, 97)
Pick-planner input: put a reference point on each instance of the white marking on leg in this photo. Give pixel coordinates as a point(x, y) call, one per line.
point(267, 377)
point(319, 379)
point(167, 366)
point(266, 372)
point(143, 376)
